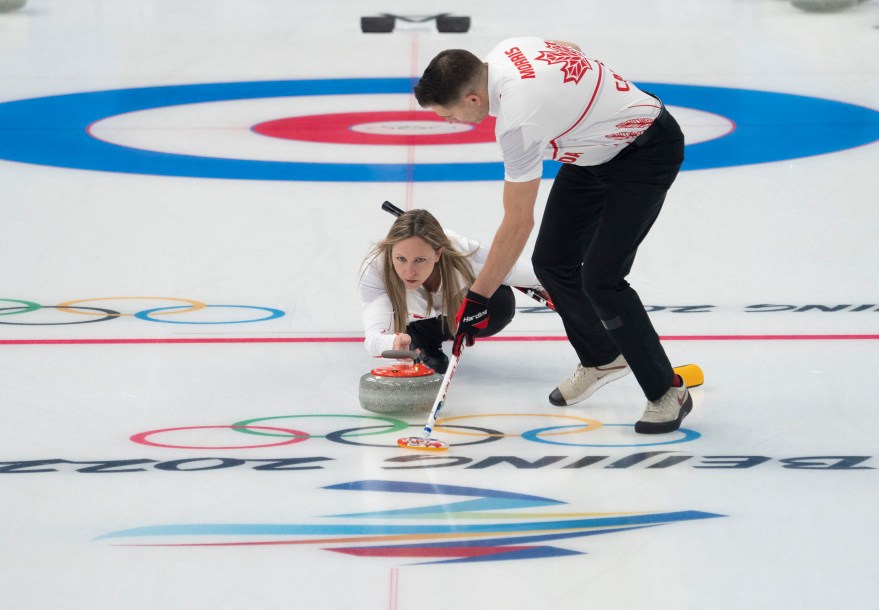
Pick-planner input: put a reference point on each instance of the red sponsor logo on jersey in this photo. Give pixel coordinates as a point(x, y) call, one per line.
point(526, 70)
point(641, 123)
point(574, 65)
point(624, 135)
point(570, 157)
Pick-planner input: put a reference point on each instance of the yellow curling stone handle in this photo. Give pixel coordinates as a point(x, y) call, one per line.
point(691, 374)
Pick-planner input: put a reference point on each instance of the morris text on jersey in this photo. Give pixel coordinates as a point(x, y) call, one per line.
point(521, 62)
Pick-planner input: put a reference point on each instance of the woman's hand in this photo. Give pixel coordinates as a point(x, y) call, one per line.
point(402, 341)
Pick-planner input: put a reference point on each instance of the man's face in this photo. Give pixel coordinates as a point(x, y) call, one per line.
point(471, 109)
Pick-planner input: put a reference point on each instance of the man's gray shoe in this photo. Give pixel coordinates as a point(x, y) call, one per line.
point(667, 413)
point(586, 380)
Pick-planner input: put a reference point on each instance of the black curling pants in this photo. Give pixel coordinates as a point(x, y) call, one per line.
point(430, 333)
point(595, 219)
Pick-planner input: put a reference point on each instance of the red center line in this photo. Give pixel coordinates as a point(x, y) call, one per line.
point(233, 340)
point(410, 153)
point(395, 587)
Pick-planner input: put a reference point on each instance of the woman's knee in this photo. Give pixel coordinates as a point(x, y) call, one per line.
point(501, 309)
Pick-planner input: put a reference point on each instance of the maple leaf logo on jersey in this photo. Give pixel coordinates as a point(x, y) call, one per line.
point(575, 65)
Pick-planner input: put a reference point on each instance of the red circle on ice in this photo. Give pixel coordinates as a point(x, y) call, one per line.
point(383, 128)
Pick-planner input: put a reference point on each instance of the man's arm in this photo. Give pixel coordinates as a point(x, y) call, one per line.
point(511, 237)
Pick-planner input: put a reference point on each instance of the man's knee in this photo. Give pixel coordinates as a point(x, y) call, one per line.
point(601, 289)
point(551, 272)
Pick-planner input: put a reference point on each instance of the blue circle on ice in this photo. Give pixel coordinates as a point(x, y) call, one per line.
point(53, 131)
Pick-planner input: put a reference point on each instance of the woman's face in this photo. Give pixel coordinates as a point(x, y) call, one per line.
point(414, 261)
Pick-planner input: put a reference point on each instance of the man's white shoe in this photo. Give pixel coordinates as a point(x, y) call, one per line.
point(586, 380)
point(667, 413)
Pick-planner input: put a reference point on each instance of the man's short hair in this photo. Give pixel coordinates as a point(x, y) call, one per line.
point(448, 78)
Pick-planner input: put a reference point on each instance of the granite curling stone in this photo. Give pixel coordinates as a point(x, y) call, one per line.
point(824, 6)
point(11, 5)
point(404, 389)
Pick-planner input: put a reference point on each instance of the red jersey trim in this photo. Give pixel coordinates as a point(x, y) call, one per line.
point(555, 148)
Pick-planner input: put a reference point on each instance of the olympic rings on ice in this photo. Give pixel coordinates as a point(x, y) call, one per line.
point(91, 314)
point(587, 425)
point(292, 437)
point(386, 431)
point(70, 306)
point(535, 436)
point(394, 425)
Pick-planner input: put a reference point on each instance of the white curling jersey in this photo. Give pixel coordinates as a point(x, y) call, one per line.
point(553, 102)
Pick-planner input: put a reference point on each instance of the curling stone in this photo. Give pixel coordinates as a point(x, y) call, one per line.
point(824, 6)
point(403, 389)
point(381, 24)
point(11, 5)
point(448, 24)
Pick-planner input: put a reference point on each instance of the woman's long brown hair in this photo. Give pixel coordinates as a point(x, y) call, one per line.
point(456, 271)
